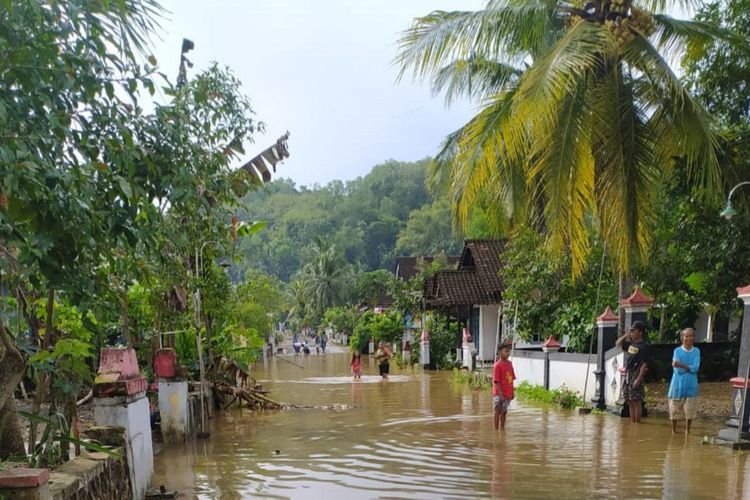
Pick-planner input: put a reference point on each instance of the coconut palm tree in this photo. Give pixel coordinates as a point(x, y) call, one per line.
point(324, 279)
point(580, 117)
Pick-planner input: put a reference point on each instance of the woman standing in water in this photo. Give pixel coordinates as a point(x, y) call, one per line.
point(683, 389)
point(383, 356)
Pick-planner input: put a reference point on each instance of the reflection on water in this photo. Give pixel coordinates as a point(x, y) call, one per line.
point(419, 436)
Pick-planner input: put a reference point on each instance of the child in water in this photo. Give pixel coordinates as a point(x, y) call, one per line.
point(502, 385)
point(356, 365)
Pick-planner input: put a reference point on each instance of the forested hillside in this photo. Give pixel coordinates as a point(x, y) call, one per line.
point(371, 219)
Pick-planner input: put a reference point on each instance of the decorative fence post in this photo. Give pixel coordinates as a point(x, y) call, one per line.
point(173, 396)
point(732, 433)
point(424, 350)
point(120, 400)
point(466, 345)
point(550, 345)
point(606, 325)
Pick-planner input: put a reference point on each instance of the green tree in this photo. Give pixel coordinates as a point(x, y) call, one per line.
point(549, 301)
point(545, 140)
point(372, 287)
point(69, 193)
point(428, 231)
point(325, 278)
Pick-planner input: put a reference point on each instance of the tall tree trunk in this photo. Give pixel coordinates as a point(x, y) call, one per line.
point(625, 285)
point(11, 439)
point(12, 368)
point(663, 325)
point(44, 379)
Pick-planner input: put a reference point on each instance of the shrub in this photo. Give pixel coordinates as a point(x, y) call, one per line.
point(562, 396)
point(443, 340)
point(476, 380)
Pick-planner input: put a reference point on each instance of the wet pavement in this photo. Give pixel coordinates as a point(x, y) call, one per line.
point(417, 435)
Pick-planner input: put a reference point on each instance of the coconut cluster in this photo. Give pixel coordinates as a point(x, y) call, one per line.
point(623, 19)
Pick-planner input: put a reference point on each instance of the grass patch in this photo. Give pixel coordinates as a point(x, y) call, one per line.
point(562, 396)
point(476, 380)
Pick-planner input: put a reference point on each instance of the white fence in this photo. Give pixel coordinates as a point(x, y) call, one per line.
point(555, 369)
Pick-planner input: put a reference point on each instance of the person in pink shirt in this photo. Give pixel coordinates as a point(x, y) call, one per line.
point(356, 365)
point(502, 384)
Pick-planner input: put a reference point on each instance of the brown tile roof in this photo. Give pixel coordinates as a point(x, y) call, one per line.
point(476, 281)
point(407, 267)
point(485, 254)
point(459, 288)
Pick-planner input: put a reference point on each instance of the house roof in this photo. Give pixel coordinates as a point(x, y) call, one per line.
point(459, 288)
point(408, 267)
point(476, 281)
point(484, 256)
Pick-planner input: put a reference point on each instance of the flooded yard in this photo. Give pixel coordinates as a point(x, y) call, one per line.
point(417, 435)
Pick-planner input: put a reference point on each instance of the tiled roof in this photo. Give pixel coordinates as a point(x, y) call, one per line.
point(476, 281)
point(485, 254)
point(407, 267)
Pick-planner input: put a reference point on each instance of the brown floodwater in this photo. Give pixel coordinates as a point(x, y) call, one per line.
point(417, 435)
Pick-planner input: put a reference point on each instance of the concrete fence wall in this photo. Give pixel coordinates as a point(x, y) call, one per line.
point(555, 369)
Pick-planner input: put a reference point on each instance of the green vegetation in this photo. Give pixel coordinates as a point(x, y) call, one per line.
point(369, 221)
point(544, 148)
point(562, 397)
point(478, 381)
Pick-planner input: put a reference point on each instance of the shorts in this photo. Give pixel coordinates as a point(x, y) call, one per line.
point(630, 394)
point(686, 408)
point(384, 368)
point(502, 404)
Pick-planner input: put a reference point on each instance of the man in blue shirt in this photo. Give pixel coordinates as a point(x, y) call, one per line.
point(683, 389)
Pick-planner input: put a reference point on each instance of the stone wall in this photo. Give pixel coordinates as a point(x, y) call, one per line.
point(89, 476)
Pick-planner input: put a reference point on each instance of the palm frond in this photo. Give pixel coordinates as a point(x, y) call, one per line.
point(673, 36)
point(473, 77)
point(626, 168)
point(666, 5)
point(680, 121)
point(482, 161)
point(563, 167)
point(505, 31)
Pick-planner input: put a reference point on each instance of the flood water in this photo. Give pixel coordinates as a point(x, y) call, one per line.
point(417, 435)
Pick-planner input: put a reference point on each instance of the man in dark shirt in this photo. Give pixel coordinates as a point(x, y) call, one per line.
point(636, 359)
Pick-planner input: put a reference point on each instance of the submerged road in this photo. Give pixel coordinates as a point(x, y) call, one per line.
point(417, 435)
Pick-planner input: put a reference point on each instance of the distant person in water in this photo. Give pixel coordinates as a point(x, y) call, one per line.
point(356, 365)
point(383, 356)
point(683, 389)
point(636, 359)
point(323, 342)
point(503, 376)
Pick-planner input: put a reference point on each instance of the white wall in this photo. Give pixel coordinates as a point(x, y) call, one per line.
point(564, 369)
point(529, 369)
point(132, 413)
point(573, 376)
point(487, 331)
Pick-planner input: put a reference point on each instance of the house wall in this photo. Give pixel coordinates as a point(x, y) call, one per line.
point(488, 322)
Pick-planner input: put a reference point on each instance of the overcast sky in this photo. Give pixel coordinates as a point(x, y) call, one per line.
point(322, 70)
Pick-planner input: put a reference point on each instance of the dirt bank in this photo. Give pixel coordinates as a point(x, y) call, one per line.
point(714, 398)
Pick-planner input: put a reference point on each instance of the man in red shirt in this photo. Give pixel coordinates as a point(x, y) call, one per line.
point(502, 384)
